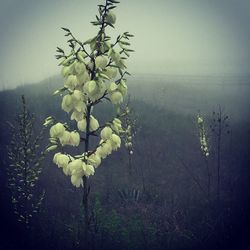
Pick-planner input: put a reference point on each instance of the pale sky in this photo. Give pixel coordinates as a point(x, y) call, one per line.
point(197, 37)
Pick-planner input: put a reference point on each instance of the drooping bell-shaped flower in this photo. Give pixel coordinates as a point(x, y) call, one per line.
point(89, 170)
point(76, 167)
point(80, 68)
point(67, 104)
point(93, 124)
point(61, 160)
point(101, 62)
point(74, 139)
point(71, 82)
point(94, 160)
point(78, 116)
point(115, 141)
point(111, 72)
point(82, 124)
point(106, 133)
point(123, 88)
point(116, 97)
point(76, 181)
point(65, 71)
point(57, 130)
point(64, 139)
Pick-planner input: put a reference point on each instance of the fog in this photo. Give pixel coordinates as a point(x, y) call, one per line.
point(171, 37)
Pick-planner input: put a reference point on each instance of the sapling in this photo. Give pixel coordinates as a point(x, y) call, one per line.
point(25, 166)
point(94, 71)
point(219, 127)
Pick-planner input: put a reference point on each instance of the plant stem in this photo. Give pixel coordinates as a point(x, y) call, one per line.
point(86, 188)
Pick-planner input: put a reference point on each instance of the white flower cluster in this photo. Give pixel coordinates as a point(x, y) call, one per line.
point(65, 137)
point(85, 165)
point(90, 77)
point(128, 142)
point(202, 136)
point(76, 168)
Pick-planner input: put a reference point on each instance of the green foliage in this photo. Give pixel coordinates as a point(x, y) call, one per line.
point(25, 165)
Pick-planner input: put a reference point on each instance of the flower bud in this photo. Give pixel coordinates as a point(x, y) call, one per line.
point(51, 148)
point(111, 17)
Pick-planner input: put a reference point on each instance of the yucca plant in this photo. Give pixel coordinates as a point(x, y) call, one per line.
point(25, 168)
point(94, 72)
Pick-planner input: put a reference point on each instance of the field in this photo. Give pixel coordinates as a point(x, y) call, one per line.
point(162, 196)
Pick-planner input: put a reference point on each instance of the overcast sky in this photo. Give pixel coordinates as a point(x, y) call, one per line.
point(204, 37)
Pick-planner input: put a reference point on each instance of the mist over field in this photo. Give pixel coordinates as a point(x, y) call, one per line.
point(91, 167)
point(168, 170)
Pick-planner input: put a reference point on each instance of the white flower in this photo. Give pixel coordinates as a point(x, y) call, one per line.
point(106, 133)
point(123, 87)
point(64, 139)
point(82, 125)
point(76, 167)
point(117, 125)
point(116, 97)
point(65, 71)
point(90, 87)
point(94, 160)
point(111, 72)
point(76, 181)
point(93, 124)
point(83, 77)
point(113, 86)
point(104, 149)
point(101, 62)
point(115, 141)
point(74, 139)
point(199, 120)
point(57, 130)
point(61, 160)
point(71, 82)
point(78, 116)
point(89, 170)
point(67, 104)
point(80, 67)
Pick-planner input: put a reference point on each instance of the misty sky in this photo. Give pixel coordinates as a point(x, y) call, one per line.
point(204, 37)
